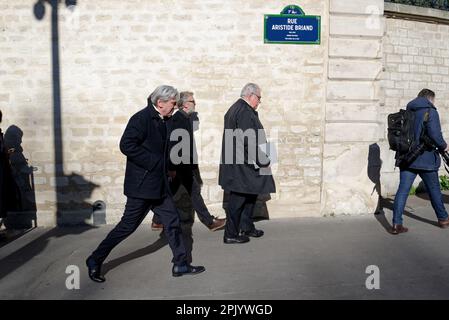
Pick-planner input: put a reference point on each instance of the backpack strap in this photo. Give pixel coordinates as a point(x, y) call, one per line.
point(426, 115)
point(425, 121)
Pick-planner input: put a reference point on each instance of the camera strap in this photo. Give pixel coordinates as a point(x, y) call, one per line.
point(425, 120)
point(445, 165)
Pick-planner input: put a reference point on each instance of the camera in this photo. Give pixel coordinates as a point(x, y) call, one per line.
point(426, 144)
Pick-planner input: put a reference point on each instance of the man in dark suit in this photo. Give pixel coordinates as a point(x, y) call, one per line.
point(244, 167)
point(145, 145)
point(185, 170)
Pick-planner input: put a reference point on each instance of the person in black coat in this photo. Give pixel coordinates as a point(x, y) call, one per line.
point(244, 167)
point(185, 170)
point(145, 144)
point(8, 188)
point(3, 168)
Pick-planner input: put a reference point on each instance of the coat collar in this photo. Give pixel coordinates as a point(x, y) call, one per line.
point(152, 112)
point(245, 103)
point(185, 114)
point(420, 103)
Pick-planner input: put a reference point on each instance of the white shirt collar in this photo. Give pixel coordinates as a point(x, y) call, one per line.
point(159, 114)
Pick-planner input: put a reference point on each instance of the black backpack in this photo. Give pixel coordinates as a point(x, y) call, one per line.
point(401, 133)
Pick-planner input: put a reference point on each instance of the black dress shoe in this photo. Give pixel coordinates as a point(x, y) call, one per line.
point(253, 233)
point(178, 271)
point(94, 270)
point(238, 239)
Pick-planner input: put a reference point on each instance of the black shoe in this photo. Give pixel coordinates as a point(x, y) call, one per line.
point(178, 271)
point(94, 270)
point(253, 233)
point(238, 239)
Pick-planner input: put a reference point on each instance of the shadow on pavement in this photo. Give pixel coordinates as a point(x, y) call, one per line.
point(388, 203)
point(35, 247)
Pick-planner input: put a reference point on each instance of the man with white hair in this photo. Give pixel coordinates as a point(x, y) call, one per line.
point(240, 168)
point(145, 145)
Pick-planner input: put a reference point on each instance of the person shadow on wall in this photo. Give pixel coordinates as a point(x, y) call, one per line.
point(75, 210)
point(373, 171)
point(24, 215)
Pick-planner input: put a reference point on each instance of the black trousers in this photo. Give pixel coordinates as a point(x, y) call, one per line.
point(239, 213)
point(192, 184)
point(135, 212)
point(3, 207)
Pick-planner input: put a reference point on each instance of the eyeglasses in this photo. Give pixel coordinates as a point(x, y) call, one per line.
point(191, 101)
point(258, 97)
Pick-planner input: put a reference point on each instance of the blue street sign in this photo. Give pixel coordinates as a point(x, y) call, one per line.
point(294, 29)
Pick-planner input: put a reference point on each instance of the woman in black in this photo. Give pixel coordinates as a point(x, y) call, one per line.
point(6, 182)
point(2, 173)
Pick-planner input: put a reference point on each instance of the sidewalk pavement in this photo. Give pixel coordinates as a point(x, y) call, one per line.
point(302, 258)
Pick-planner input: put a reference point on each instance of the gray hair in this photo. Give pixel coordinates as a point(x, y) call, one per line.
point(163, 93)
point(183, 96)
point(249, 89)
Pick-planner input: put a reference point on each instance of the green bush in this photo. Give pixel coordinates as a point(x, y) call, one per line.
point(444, 182)
point(444, 185)
point(436, 4)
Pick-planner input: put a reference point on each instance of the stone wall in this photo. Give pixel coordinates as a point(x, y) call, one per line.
point(352, 126)
point(114, 53)
point(325, 105)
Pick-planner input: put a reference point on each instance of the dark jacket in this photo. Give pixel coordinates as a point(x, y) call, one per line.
point(3, 168)
point(181, 131)
point(9, 196)
point(146, 155)
point(244, 176)
point(429, 159)
point(194, 124)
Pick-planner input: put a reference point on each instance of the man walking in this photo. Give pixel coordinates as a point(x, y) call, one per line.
point(144, 143)
point(187, 174)
point(426, 165)
point(242, 163)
